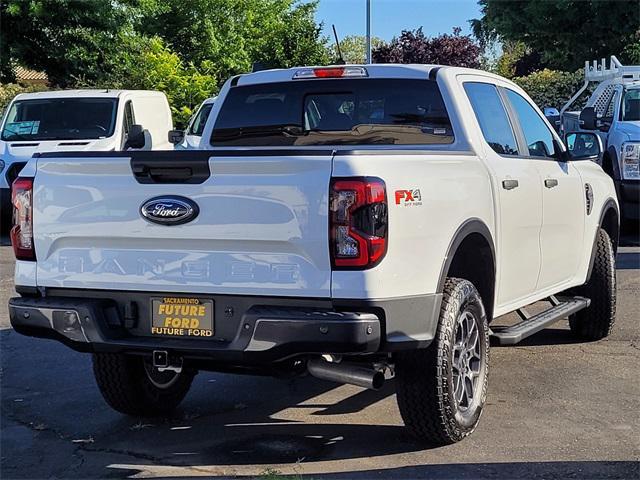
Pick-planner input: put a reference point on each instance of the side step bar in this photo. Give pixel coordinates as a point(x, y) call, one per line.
point(561, 308)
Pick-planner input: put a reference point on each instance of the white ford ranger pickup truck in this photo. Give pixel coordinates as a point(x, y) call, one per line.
point(349, 222)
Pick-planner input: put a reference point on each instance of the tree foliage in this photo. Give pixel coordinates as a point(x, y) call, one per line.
point(185, 48)
point(631, 52)
point(233, 34)
point(64, 38)
point(517, 60)
point(413, 46)
point(147, 64)
point(551, 88)
point(565, 33)
point(353, 48)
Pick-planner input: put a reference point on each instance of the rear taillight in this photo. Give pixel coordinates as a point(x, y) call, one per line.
point(22, 230)
point(358, 222)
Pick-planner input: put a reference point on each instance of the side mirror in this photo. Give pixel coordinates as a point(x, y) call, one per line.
point(176, 136)
point(589, 118)
point(136, 137)
point(583, 146)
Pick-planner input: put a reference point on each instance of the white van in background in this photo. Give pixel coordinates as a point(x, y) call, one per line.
point(78, 120)
point(189, 139)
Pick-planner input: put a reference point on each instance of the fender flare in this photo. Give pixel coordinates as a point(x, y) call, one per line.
point(472, 225)
point(613, 156)
point(609, 204)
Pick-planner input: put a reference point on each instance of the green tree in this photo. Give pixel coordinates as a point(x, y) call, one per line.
point(565, 33)
point(79, 39)
point(233, 34)
point(148, 64)
point(64, 38)
point(517, 60)
point(631, 52)
point(185, 48)
point(551, 88)
point(353, 48)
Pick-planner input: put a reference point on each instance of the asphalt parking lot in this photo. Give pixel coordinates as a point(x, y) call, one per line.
point(556, 408)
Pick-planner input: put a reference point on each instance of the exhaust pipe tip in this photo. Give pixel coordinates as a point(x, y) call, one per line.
point(352, 374)
point(378, 380)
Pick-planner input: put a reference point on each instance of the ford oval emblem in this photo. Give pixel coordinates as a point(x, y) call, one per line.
point(169, 210)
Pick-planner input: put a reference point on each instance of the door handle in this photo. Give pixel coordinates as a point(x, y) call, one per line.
point(551, 182)
point(509, 184)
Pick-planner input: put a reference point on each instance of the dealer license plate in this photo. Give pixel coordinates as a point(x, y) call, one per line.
point(182, 317)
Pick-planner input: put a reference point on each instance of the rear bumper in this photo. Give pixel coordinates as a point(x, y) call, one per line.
point(260, 334)
point(629, 198)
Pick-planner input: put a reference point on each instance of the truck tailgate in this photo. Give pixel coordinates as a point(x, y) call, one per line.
point(261, 227)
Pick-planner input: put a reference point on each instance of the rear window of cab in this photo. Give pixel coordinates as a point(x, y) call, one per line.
point(333, 112)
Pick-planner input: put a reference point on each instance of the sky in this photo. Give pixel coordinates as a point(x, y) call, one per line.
point(390, 17)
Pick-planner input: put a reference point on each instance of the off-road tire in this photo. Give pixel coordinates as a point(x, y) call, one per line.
point(126, 387)
point(424, 377)
point(596, 321)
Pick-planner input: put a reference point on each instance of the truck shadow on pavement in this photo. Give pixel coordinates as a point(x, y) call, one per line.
point(225, 419)
point(227, 425)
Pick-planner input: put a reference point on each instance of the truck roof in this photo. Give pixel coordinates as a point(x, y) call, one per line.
point(86, 93)
point(377, 70)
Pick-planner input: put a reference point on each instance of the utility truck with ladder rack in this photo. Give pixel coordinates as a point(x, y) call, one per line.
point(349, 222)
point(613, 112)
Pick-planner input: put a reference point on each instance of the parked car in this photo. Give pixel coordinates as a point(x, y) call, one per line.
point(613, 112)
point(350, 222)
point(189, 139)
point(78, 120)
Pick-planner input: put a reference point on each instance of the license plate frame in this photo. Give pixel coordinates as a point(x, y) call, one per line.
point(182, 316)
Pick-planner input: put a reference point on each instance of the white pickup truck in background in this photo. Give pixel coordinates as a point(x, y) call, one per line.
point(78, 121)
point(613, 112)
point(189, 139)
point(350, 222)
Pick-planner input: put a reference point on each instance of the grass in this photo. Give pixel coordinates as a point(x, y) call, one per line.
point(272, 474)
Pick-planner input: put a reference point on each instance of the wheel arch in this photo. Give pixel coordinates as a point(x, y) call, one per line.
point(610, 155)
point(610, 222)
point(462, 260)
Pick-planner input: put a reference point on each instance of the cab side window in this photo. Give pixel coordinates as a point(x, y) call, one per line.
point(492, 117)
point(536, 133)
point(199, 122)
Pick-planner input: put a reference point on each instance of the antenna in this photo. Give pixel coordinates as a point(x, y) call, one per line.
point(368, 37)
point(335, 34)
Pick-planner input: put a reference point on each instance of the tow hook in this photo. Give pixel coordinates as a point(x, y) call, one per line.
point(163, 362)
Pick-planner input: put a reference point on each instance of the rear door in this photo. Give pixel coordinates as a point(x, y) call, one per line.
point(261, 227)
point(517, 190)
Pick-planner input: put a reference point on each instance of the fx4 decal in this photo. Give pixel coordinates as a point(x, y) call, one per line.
point(409, 198)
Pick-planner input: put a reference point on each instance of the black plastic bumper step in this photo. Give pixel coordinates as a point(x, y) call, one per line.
point(561, 308)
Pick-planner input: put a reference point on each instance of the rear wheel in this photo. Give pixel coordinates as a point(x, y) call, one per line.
point(596, 321)
point(441, 390)
point(131, 385)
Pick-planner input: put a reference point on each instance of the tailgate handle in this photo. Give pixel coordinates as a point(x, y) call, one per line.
point(147, 174)
point(178, 167)
point(168, 174)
